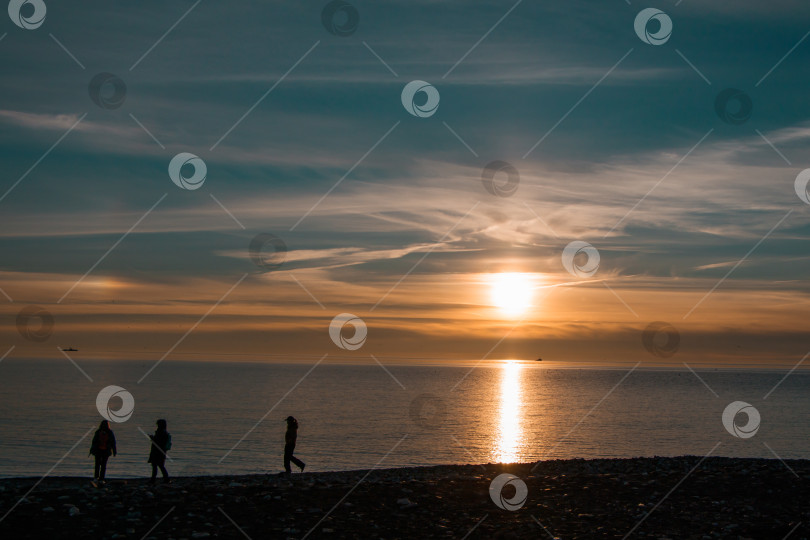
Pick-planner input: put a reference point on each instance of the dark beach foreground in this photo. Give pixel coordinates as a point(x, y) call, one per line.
point(684, 497)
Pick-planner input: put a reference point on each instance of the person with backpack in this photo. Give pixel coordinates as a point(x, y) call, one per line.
point(289, 445)
point(161, 443)
point(101, 448)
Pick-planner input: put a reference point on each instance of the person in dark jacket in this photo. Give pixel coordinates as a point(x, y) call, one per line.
point(289, 445)
point(161, 443)
point(102, 447)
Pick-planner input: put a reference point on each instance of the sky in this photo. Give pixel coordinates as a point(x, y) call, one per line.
point(617, 143)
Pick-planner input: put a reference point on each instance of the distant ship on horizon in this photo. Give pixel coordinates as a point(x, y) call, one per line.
point(70, 349)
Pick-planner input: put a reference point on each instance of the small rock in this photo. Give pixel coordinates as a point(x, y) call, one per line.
point(405, 503)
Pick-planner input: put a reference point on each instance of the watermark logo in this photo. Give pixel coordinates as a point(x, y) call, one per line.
point(730, 415)
point(103, 404)
point(107, 91)
point(513, 503)
point(573, 255)
point(800, 185)
point(733, 106)
point(428, 411)
point(267, 251)
point(655, 16)
point(186, 160)
point(506, 189)
point(340, 18)
point(348, 343)
point(35, 13)
point(35, 324)
point(661, 339)
point(426, 109)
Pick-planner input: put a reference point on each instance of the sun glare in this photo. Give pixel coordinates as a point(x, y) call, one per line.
point(512, 292)
point(510, 433)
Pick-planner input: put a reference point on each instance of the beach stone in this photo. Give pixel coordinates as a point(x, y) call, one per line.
point(405, 503)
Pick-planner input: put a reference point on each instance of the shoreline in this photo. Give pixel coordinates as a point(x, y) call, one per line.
point(415, 468)
point(657, 497)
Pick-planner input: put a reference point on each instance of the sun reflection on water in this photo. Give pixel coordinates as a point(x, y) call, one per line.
point(509, 433)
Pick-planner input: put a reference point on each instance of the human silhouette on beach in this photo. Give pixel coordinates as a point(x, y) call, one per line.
point(161, 443)
point(289, 445)
point(102, 446)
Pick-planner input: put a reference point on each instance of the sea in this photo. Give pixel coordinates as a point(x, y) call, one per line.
point(229, 417)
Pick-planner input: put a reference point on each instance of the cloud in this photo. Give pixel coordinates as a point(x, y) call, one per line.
point(59, 122)
point(612, 169)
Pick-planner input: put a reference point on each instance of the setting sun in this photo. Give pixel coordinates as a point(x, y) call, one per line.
point(512, 292)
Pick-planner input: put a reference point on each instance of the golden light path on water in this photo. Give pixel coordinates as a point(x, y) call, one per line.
point(510, 436)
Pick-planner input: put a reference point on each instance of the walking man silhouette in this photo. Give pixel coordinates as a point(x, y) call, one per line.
point(289, 445)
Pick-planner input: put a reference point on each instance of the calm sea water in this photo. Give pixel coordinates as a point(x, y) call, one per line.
point(352, 416)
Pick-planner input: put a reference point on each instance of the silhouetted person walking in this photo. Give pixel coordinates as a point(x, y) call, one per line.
point(102, 446)
point(289, 445)
point(161, 443)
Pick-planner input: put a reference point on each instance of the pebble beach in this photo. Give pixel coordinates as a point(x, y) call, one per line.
point(663, 498)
